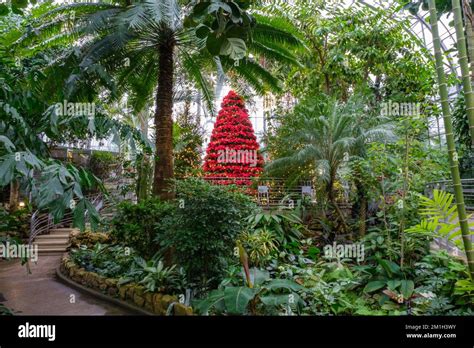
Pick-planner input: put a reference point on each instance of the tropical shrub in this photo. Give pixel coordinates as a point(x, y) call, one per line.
point(15, 223)
point(259, 245)
point(136, 225)
point(5, 310)
point(116, 261)
point(101, 163)
point(104, 259)
point(446, 284)
point(203, 230)
point(267, 296)
point(89, 239)
point(153, 274)
point(440, 218)
point(286, 227)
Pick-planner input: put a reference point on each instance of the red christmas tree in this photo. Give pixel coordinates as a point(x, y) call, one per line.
point(233, 150)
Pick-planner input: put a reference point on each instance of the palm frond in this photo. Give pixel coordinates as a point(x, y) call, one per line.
point(257, 76)
point(273, 53)
point(192, 67)
point(276, 30)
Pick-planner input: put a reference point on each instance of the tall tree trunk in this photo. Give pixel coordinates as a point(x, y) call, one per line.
point(469, 20)
point(453, 158)
point(362, 211)
point(144, 175)
point(164, 121)
point(464, 64)
point(144, 165)
point(14, 195)
point(332, 200)
point(198, 108)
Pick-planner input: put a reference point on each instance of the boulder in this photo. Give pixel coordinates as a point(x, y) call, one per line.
point(139, 290)
point(130, 292)
point(139, 300)
point(102, 285)
point(167, 300)
point(123, 291)
point(111, 282)
point(158, 304)
point(182, 310)
point(149, 301)
point(112, 291)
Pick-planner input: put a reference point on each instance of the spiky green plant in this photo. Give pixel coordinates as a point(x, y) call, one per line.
point(440, 218)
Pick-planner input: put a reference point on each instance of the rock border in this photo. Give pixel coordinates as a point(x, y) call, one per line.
point(131, 296)
point(63, 278)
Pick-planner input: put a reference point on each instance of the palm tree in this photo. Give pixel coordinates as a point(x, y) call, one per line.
point(453, 158)
point(325, 137)
point(153, 37)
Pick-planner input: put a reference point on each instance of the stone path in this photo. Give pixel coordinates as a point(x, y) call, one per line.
point(40, 293)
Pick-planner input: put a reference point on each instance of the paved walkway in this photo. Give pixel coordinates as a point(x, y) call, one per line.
point(40, 293)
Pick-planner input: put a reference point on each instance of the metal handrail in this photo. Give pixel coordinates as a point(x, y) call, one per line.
point(42, 223)
point(270, 192)
point(447, 185)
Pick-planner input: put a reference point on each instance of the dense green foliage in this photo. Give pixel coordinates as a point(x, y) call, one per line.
point(204, 227)
point(102, 163)
point(15, 224)
point(329, 75)
point(135, 225)
point(117, 261)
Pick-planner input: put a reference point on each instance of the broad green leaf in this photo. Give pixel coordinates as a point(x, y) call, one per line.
point(258, 276)
point(237, 299)
point(374, 285)
point(235, 48)
point(258, 217)
point(214, 44)
point(4, 9)
point(406, 288)
point(79, 215)
point(20, 3)
point(214, 300)
point(202, 31)
point(283, 284)
point(390, 267)
point(7, 168)
point(393, 284)
point(7, 143)
point(281, 299)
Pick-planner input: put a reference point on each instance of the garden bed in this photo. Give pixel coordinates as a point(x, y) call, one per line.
point(130, 294)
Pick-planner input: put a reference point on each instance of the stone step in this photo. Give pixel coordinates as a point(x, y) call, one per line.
point(51, 251)
point(62, 236)
point(51, 242)
point(63, 229)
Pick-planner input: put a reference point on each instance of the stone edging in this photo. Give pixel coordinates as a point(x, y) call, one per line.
point(131, 296)
point(98, 294)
